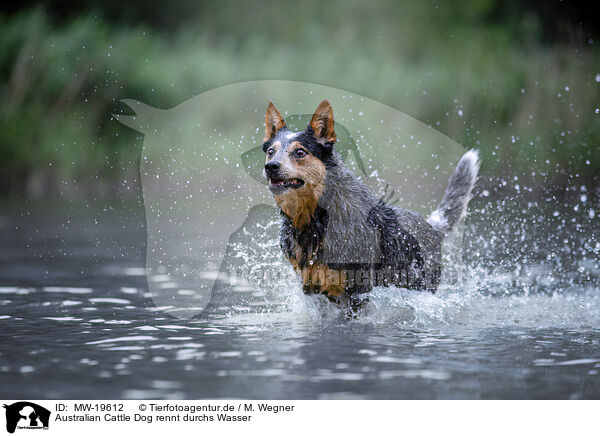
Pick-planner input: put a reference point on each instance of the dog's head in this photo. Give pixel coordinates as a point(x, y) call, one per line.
point(296, 162)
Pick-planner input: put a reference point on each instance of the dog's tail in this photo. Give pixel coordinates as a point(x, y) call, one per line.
point(458, 193)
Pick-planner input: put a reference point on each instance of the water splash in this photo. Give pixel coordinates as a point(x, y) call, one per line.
point(515, 278)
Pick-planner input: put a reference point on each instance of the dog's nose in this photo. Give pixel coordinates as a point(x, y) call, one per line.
point(271, 167)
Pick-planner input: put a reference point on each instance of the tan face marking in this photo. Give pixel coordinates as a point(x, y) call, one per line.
point(272, 151)
point(300, 204)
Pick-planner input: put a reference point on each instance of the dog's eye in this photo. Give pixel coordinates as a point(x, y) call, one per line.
point(299, 153)
point(270, 152)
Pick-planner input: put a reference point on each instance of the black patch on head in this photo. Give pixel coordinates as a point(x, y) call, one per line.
point(267, 144)
point(323, 152)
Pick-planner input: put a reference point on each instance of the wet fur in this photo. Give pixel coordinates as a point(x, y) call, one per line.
point(339, 236)
point(300, 206)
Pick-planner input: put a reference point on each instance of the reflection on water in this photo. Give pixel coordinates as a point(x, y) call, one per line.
point(77, 321)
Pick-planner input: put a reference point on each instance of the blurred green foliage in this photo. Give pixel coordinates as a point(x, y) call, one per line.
point(487, 79)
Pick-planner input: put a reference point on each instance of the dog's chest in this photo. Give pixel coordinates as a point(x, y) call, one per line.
point(303, 247)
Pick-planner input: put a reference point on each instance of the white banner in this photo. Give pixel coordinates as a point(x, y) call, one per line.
point(153, 417)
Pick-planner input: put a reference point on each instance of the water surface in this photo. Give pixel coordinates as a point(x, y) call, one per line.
point(77, 320)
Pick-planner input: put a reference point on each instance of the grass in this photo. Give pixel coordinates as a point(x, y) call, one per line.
point(532, 108)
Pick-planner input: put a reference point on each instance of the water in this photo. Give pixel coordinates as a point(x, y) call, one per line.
point(77, 321)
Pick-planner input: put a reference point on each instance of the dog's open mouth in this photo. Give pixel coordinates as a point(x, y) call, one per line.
point(278, 183)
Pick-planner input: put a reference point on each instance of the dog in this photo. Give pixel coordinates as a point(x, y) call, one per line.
point(340, 237)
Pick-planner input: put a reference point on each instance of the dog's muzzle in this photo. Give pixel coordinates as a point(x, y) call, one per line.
point(278, 183)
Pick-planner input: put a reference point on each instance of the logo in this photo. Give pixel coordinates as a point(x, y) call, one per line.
point(26, 415)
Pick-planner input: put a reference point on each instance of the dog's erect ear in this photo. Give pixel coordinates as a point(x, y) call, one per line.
point(273, 122)
point(322, 123)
